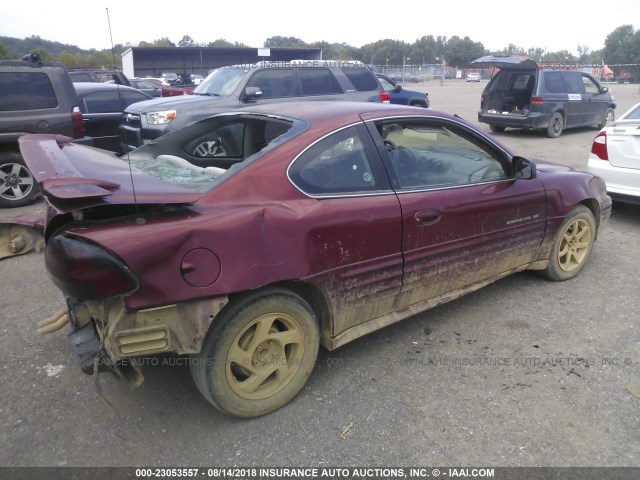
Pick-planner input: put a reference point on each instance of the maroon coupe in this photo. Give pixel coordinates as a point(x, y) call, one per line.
point(248, 239)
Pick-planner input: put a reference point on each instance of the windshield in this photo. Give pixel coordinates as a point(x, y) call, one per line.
point(221, 82)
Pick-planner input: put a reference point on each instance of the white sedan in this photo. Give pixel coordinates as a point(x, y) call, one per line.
point(615, 156)
point(473, 77)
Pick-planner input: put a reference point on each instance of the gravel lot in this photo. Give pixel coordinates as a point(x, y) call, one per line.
point(525, 372)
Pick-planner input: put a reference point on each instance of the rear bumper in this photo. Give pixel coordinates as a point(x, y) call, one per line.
point(514, 120)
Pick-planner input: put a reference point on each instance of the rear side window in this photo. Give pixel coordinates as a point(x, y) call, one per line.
point(553, 82)
point(336, 164)
point(26, 91)
point(318, 81)
point(273, 83)
point(362, 78)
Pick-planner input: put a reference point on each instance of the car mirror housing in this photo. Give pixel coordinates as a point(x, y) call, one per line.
point(604, 90)
point(252, 93)
point(524, 168)
point(398, 88)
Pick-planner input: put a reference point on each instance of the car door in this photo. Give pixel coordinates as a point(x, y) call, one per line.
point(466, 219)
point(102, 113)
point(577, 106)
point(597, 101)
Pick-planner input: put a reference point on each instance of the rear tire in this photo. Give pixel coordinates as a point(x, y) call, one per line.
point(258, 354)
point(18, 187)
point(556, 125)
point(572, 245)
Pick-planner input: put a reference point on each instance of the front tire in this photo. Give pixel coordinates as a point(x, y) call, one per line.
point(607, 118)
point(556, 125)
point(258, 354)
point(572, 245)
point(496, 128)
point(18, 187)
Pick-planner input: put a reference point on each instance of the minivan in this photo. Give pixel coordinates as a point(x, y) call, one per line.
point(522, 95)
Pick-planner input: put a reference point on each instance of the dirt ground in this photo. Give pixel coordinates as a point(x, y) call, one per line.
point(524, 372)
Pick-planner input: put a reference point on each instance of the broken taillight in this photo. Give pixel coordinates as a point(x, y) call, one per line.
point(599, 146)
point(85, 271)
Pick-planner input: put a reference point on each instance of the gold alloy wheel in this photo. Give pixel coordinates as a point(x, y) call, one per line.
point(574, 245)
point(265, 356)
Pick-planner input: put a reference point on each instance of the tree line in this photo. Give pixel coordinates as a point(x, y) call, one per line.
point(622, 47)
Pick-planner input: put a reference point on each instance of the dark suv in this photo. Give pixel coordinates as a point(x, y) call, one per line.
point(35, 97)
point(243, 85)
point(521, 95)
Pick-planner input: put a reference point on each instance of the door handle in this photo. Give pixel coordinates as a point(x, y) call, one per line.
point(427, 217)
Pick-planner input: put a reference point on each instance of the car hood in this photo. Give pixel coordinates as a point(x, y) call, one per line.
point(513, 62)
point(70, 175)
point(168, 103)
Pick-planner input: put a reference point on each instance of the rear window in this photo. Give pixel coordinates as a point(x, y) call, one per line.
point(362, 78)
point(26, 91)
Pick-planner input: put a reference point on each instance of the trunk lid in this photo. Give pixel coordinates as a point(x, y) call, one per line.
point(511, 62)
point(623, 144)
point(73, 176)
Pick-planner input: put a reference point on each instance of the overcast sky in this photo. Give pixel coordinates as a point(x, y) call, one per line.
point(551, 24)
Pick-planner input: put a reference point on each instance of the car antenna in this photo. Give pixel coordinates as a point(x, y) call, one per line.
point(133, 186)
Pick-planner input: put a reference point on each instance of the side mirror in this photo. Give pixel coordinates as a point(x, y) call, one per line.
point(524, 168)
point(252, 93)
point(397, 88)
point(604, 90)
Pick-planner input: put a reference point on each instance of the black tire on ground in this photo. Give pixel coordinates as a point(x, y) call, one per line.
point(17, 186)
point(607, 117)
point(572, 245)
point(496, 128)
point(418, 104)
point(556, 125)
point(258, 353)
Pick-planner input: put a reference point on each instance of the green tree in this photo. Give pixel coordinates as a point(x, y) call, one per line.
point(186, 41)
point(462, 51)
point(284, 42)
point(4, 53)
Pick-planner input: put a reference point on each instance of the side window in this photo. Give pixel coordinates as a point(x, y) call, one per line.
point(590, 86)
point(336, 164)
point(428, 154)
point(277, 83)
point(363, 79)
point(101, 102)
point(318, 81)
point(573, 82)
point(553, 82)
point(523, 82)
point(26, 91)
point(129, 97)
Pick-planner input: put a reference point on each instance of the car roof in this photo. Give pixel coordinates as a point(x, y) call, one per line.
point(82, 87)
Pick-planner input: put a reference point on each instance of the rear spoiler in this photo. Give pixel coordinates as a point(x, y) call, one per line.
point(55, 174)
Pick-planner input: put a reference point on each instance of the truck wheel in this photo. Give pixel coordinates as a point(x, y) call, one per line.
point(258, 353)
point(18, 187)
point(556, 125)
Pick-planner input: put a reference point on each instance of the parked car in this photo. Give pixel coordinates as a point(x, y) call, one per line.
point(35, 97)
point(241, 86)
point(165, 89)
point(100, 75)
point(147, 87)
point(520, 95)
point(102, 105)
point(261, 233)
point(399, 95)
point(615, 156)
point(404, 77)
point(473, 77)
